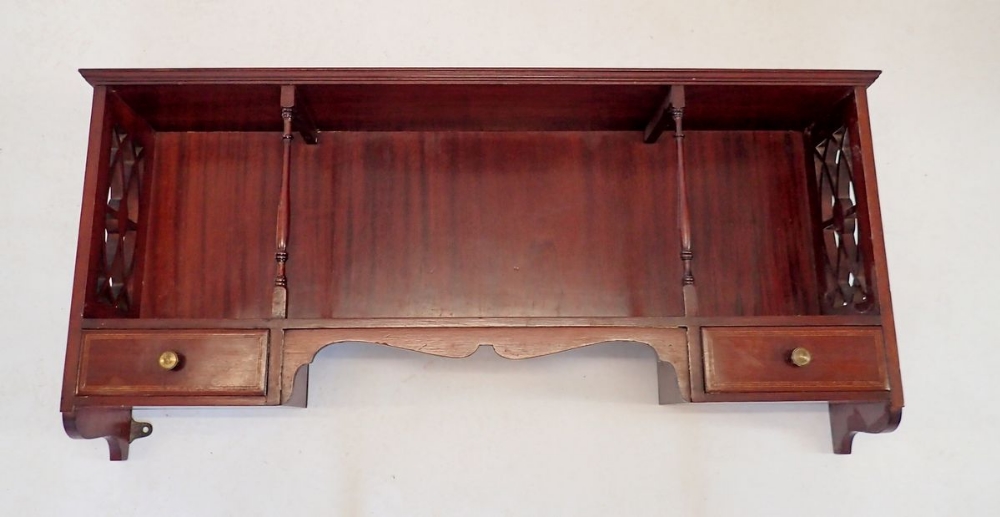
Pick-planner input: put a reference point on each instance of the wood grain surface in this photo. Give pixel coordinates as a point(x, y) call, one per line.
point(757, 359)
point(752, 235)
point(480, 224)
point(446, 209)
point(221, 362)
point(212, 227)
point(301, 346)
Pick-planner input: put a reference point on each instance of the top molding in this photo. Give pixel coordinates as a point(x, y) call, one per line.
point(124, 76)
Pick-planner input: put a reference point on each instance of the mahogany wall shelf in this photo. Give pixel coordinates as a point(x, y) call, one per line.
point(237, 221)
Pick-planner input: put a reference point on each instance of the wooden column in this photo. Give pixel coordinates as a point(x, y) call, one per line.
point(676, 103)
point(673, 109)
point(279, 302)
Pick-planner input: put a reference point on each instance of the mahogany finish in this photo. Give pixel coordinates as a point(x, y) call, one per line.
point(482, 224)
point(847, 420)
point(762, 359)
point(215, 202)
point(751, 188)
point(209, 363)
point(729, 219)
point(417, 106)
point(115, 425)
point(301, 346)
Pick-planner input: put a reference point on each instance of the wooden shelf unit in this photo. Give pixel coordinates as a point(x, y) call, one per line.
point(237, 221)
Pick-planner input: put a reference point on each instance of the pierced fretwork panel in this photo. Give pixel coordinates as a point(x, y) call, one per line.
point(846, 287)
point(115, 279)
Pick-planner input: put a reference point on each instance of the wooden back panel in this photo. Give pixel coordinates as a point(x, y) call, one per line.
point(211, 246)
point(752, 236)
point(479, 224)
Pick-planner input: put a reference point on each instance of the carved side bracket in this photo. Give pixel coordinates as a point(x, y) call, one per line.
point(841, 228)
point(120, 215)
point(113, 424)
point(660, 120)
point(847, 420)
point(302, 120)
point(670, 345)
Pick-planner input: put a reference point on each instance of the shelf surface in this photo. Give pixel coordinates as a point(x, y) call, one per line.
point(477, 99)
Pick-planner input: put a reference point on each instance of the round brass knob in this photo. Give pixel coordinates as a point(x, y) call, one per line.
point(801, 357)
point(169, 360)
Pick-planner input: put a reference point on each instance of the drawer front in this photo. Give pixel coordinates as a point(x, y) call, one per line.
point(759, 359)
point(207, 363)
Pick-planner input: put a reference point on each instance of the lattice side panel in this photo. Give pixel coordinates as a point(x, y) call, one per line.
point(115, 279)
point(846, 287)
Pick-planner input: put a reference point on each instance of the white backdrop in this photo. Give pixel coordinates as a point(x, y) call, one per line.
point(392, 433)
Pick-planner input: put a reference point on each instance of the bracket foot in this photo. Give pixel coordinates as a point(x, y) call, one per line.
point(113, 424)
point(849, 419)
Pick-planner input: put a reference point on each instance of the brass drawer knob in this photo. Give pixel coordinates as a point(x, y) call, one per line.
point(169, 360)
point(801, 357)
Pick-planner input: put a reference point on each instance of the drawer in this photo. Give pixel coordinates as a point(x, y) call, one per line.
point(208, 363)
point(759, 359)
